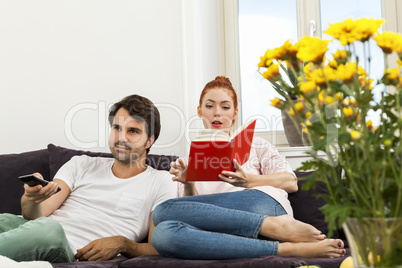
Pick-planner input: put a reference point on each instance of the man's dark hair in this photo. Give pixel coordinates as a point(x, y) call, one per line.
point(142, 110)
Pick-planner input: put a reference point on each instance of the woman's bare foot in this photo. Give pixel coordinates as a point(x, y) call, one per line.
point(327, 248)
point(286, 229)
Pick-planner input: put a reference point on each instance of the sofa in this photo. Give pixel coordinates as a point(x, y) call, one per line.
point(47, 161)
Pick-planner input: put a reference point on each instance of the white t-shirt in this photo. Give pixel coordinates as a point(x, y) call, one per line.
point(264, 159)
point(102, 205)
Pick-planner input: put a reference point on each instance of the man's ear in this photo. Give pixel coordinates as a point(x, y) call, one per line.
point(150, 142)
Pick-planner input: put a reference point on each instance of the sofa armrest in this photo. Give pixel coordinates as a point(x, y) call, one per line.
point(11, 167)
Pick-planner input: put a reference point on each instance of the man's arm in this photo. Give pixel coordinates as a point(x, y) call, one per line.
point(39, 201)
point(109, 247)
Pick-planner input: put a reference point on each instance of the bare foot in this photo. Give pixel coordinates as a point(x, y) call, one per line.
point(286, 229)
point(327, 248)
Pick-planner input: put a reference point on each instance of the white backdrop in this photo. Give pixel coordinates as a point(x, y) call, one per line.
point(63, 62)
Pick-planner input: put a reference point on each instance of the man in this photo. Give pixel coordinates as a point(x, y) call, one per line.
point(105, 205)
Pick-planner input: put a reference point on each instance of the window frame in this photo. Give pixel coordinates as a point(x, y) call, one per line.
point(307, 11)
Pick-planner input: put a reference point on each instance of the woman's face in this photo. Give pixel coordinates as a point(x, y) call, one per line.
point(217, 110)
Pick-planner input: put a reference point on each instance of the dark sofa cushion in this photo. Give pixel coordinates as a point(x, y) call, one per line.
point(11, 167)
point(58, 156)
point(306, 206)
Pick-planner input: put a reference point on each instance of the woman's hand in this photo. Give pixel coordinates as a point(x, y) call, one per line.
point(238, 178)
point(179, 170)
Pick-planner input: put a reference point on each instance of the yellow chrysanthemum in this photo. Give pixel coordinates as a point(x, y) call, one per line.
point(312, 49)
point(351, 30)
point(321, 97)
point(347, 111)
point(276, 102)
point(291, 48)
point(307, 87)
point(330, 73)
point(299, 106)
point(370, 125)
point(292, 112)
point(271, 72)
point(367, 84)
point(333, 64)
point(346, 72)
point(340, 54)
point(329, 100)
point(393, 74)
point(338, 96)
point(389, 42)
point(355, 135)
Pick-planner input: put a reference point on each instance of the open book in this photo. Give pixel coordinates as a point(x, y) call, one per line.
point(213, 151)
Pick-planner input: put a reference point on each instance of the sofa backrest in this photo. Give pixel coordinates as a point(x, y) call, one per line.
point(47, 162)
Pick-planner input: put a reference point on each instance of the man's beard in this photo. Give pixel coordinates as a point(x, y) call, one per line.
point(130, 156)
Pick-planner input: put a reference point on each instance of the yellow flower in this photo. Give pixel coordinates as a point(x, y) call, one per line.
point(346, 72)
point(276, 102)
point(347, 111)
point(329, 100)
point(370, 125)
point(393, 74)
point(307, 87)
point(338, 96)
point(271, 72)
point(308, 114)
point(340, 54)
point(312, 49)
point(292, 112)
point(367, 84)
point(291, 48)
point(320, 77)
point(299, 106)
point(389, 42)
point(321, 97)
point(351, 30)
point(355, 135)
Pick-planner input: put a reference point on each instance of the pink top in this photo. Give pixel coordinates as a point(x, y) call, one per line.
point(264, 159)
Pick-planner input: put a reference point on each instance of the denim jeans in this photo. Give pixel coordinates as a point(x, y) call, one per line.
point(41, 239)
point(216, 226)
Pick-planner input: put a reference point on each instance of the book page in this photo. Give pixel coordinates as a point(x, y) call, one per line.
point(237, 131)
point(211, 135)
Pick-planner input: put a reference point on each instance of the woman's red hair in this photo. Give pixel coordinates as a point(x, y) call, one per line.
point(220, 82)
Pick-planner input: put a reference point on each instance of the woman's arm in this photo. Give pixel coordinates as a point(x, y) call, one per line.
point(239, 178)
point(179, 170)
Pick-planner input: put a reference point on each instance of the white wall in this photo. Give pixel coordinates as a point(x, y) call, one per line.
point(63, 62)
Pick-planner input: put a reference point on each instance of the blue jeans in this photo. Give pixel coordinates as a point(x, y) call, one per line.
point(216, 226)
point(41, 239)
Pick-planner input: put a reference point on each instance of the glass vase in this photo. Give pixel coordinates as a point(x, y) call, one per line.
point(375, 242)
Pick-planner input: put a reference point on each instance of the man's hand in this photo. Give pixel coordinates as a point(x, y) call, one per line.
point(101, 249)
point(38, 193)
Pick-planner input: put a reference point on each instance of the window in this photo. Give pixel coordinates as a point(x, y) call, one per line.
point(264, 24)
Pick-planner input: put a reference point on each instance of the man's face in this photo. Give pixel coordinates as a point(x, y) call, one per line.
point(128, 138)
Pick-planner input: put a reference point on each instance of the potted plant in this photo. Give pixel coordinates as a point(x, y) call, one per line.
point(333, 98)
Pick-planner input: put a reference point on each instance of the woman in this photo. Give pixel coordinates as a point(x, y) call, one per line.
point(245, 215)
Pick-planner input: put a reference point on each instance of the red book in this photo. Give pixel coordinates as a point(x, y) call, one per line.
point(214, 151)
